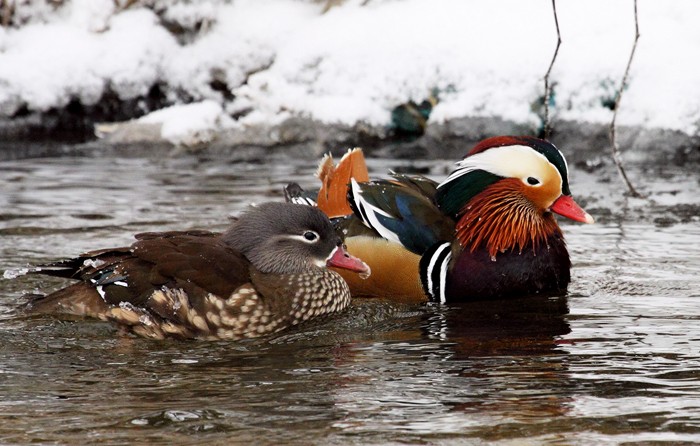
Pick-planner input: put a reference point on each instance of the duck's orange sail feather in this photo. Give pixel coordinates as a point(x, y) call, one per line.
point(332, 197)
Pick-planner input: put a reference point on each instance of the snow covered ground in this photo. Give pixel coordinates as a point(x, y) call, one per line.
point(356, 61)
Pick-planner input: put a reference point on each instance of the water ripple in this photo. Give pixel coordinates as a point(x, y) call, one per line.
point(616, 361)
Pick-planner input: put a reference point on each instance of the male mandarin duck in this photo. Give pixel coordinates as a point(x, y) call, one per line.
point(267, 272)
point(485, 232)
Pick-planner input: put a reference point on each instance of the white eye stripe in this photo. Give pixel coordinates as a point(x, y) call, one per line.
point(307, 236)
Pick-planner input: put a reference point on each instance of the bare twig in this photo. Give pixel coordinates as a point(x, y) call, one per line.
point(547, 86)
point(618, 98)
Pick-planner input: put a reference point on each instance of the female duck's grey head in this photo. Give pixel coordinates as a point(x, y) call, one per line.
point(284, 238)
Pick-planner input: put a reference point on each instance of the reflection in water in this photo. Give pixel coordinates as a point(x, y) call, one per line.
point(466, 368)
point(502, 327)
point(615, 361)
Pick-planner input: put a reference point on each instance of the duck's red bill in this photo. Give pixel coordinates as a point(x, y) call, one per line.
point(567, 207)
point(341, 259)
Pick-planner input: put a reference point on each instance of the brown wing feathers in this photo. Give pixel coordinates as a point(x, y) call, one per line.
point(185, 259)
point(196, 262)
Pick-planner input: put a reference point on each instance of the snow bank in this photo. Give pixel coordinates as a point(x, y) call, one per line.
point(189, 125)
point(355, 62)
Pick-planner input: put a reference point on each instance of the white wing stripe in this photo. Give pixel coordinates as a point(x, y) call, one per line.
point(369, 214)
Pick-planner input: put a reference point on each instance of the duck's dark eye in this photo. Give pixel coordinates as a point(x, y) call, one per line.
point(532, 181)
point(310, 236)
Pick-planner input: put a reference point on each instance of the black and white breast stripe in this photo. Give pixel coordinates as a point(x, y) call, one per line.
point(433, 271)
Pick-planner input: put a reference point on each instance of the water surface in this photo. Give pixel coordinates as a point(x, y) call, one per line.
point(615, 361)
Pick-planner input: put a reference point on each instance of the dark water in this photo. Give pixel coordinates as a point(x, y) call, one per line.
point(617, 361)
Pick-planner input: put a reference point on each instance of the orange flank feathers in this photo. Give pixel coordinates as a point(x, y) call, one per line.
point(332, 197)
point(394, 270)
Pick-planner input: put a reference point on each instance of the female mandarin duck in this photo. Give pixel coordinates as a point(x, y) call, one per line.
point(485, 232)
point(266, 273)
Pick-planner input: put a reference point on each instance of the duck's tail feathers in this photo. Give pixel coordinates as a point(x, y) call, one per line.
point(294, 193)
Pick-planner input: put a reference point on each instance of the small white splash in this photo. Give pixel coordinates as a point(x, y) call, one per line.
point(15, 273)
point(94, 263)
point(184, 361)
point(145, 320)
point(180, 415)
point(140, 422)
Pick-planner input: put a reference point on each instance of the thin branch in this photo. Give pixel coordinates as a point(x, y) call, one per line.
point(547, 86)
point(618, 97)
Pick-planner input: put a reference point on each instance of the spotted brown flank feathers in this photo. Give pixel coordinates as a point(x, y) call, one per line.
point(244, 314)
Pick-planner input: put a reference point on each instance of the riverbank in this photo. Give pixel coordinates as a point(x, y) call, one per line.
point(159, 78)
point(586, 145)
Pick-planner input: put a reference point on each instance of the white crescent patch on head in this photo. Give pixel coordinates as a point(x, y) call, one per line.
point(516, 161)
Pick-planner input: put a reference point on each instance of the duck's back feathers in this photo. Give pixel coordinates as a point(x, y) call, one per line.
point(198, 258)
point(197, 262)
point(401, 211)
